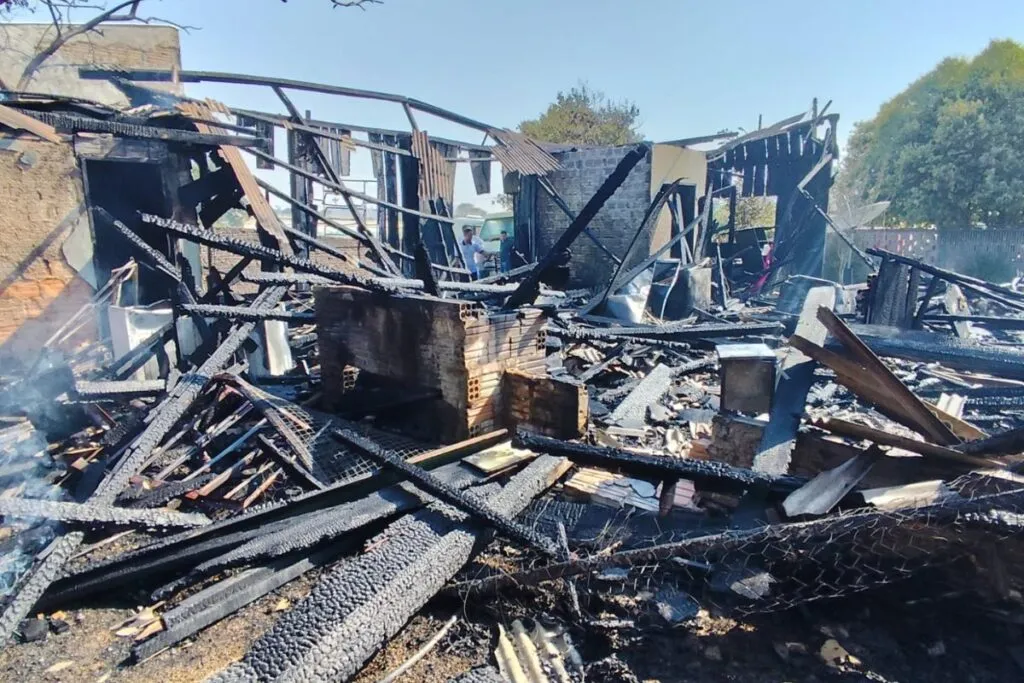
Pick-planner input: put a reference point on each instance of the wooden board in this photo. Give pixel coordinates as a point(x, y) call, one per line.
point(18, 121)
point(261, 208)
point(796, 375)
point(911, 406)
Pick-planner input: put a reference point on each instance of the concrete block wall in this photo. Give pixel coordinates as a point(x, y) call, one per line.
point(582, 173)
point(42, 196)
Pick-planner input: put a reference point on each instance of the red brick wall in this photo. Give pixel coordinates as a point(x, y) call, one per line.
point(42, 196)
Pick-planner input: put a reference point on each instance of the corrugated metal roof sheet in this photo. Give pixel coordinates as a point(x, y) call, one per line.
point(516, 152)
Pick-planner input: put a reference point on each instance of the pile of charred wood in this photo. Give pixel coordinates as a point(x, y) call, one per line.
point(746, 458)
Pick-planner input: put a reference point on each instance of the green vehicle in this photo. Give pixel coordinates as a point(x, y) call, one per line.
point(490, 235)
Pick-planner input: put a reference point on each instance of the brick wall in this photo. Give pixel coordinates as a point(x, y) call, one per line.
point(121, 46)
point(582, 173)
point(42, 201)
point(425, 342)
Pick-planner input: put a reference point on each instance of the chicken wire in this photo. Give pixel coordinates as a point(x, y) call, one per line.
point(977, 527)
point(307, 433)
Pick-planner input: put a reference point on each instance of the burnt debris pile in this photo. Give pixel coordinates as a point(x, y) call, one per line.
point(639, 413)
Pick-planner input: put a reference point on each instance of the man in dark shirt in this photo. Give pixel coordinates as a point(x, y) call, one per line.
point(505, 252)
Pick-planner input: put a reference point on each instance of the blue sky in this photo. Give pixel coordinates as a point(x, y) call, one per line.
point(691, 67)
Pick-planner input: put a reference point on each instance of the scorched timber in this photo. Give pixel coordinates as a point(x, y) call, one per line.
point(672, 331)
point(357, 608)
point(225, 598)
point(247, 313)
point(708, 475)
point(99, 515)
point(42, 574)
point(321, 526)
point(155, 497)
point(115, 390)
point(466, 502)
point(245, 248)
point(186, 550)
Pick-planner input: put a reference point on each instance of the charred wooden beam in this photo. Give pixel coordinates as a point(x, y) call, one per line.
point(332, 525)
point(708, 475)
point(153, 256)
point(677, 331)
point(435, 487)
point(244, 248)
point(530, 286)
point(226, 597)
point(247, 313)
point(355, 609)
point(47, 569)
point(66, 123)
point(158, 496)
point(117, 390)
point(223, 285)
point(551, 192)
point(99, 515)
point(926, 347)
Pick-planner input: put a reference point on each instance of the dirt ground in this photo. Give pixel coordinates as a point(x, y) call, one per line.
point(883, 640)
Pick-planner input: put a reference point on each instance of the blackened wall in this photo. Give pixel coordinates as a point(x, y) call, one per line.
point(582, 173)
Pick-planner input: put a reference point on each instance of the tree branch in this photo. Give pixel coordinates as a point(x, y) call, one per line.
point(356, 3)
point(62, 38)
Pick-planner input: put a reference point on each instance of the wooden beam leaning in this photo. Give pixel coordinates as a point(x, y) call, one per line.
point(265, 216)
point(328, 171)
point(878, 436)
point(928, 423)
point(530, 286)
point(796, 377)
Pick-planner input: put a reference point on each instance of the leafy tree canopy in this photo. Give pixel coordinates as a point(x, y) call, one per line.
point(947, 150)
point(583, 116)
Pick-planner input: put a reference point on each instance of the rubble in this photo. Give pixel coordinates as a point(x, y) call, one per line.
point(363, 416)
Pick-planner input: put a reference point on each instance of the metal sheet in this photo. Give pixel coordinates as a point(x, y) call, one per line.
point(516, 152)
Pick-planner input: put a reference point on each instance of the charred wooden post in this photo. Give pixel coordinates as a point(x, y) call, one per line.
point(465, 502)
point(710, 476)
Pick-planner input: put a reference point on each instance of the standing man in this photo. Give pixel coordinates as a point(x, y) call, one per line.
point(471, 246)
point(505, 252)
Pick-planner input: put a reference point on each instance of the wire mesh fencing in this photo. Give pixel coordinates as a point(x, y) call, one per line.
point(974, 522)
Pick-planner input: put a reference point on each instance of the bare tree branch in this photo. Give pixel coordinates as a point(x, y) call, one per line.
point(62, 38)
point(361, 4)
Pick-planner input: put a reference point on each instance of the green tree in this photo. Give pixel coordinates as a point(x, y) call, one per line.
point(583, 116)
point(948, 149)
